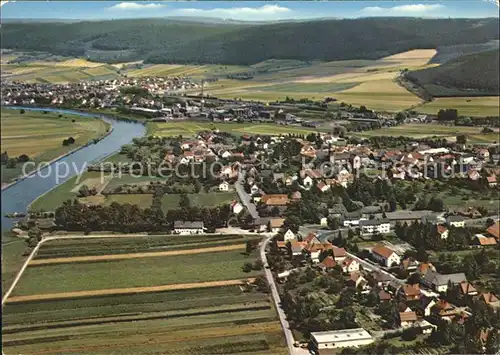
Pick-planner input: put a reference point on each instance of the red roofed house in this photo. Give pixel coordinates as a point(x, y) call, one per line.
point(357, 280)
point(494, 230)
point(466, 289)
point(483, 241)
point(327, 263)
point(350, 265)
point(410, 292)
point(492, 180)
point(407, 319)
point(275, 200)
point(490, 299)
point(339, 254)
point(387, 257)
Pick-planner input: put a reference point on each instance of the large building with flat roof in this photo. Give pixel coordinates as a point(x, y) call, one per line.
point(341, 338)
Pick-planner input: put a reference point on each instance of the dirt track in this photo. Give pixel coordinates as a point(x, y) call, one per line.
point(76, 259)
point(123, 291)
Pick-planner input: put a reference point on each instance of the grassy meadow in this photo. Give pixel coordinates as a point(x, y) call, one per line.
point(431, 130)
point(216, 320)
point(467, 106)
point(40, 135)
point(190, 128)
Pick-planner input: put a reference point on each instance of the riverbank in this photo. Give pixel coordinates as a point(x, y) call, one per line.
point(46, 157)
point(19, 194)
point(23, 177)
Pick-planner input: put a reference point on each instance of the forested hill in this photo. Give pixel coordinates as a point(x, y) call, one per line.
point(475, 74)
point(170, 41)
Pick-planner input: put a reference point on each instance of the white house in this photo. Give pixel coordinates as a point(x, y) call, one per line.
point(323, 221)
point(226, 154)
point(254, 189)
point(236, 207)
point(341, 338)
point(387, 257)
point(187, 227)
point(371, 226)
point(308, 181)
point(289, 235)
point(456, 221)
point(350, 265)
point(224, 186)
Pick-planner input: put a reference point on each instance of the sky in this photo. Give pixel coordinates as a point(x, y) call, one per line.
point(248, 10)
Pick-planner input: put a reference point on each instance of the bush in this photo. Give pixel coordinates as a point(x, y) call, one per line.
point(22, 111)
point(247, 267)
point(257, 265)
point(410, 334)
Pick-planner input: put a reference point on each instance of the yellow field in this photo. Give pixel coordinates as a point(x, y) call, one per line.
point(186, 70)
point(379, 95)
point(70, 63)
point(469, 106)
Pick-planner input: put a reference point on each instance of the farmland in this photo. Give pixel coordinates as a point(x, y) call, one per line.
point(186, 129)
point(174, 304)
point(67, 71)
point(430, 130)
point(69, 191)
point(49, 130)
point(467, 106)
point(358, 82)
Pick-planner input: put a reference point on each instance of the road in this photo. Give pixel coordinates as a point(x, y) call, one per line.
point(245, 198)
point(277, 301)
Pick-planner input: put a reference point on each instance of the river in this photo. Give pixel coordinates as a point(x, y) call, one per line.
point(17, 197)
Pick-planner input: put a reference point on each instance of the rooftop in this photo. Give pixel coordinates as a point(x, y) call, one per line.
point(341, 335)
point(188, 225)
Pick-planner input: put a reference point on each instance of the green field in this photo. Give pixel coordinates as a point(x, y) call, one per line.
point(40, 135)
point(215, 320)
point(428, 130)
point(103, 246)
point(201, 199)
point(466, 106)
point(61, 193)
point(12, 259)
point(186, 129)
point(144, 272)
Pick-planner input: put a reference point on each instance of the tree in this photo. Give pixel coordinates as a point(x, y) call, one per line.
point(410, 334)
point(492, 342)
point(184, 201)
point(462, 139)
point(11, 163)
point(247, 267)
point(22, 111)
point(23, 158)
point(4, 158)
point(262, 284)
point(83, 191)
point(257, 265)
point(400, 117)
point(447, 115)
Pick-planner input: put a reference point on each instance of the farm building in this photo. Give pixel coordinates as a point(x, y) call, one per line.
point(187, 227)
point(341, 338)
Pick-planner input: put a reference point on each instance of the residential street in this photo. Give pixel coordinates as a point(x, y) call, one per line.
point(277, 301)
point(244, 197)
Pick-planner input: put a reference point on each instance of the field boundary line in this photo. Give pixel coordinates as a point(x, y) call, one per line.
point(75, 259)
point(129, 290)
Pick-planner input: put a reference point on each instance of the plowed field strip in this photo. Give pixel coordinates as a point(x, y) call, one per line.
point(90, 258)
point(123, 291)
